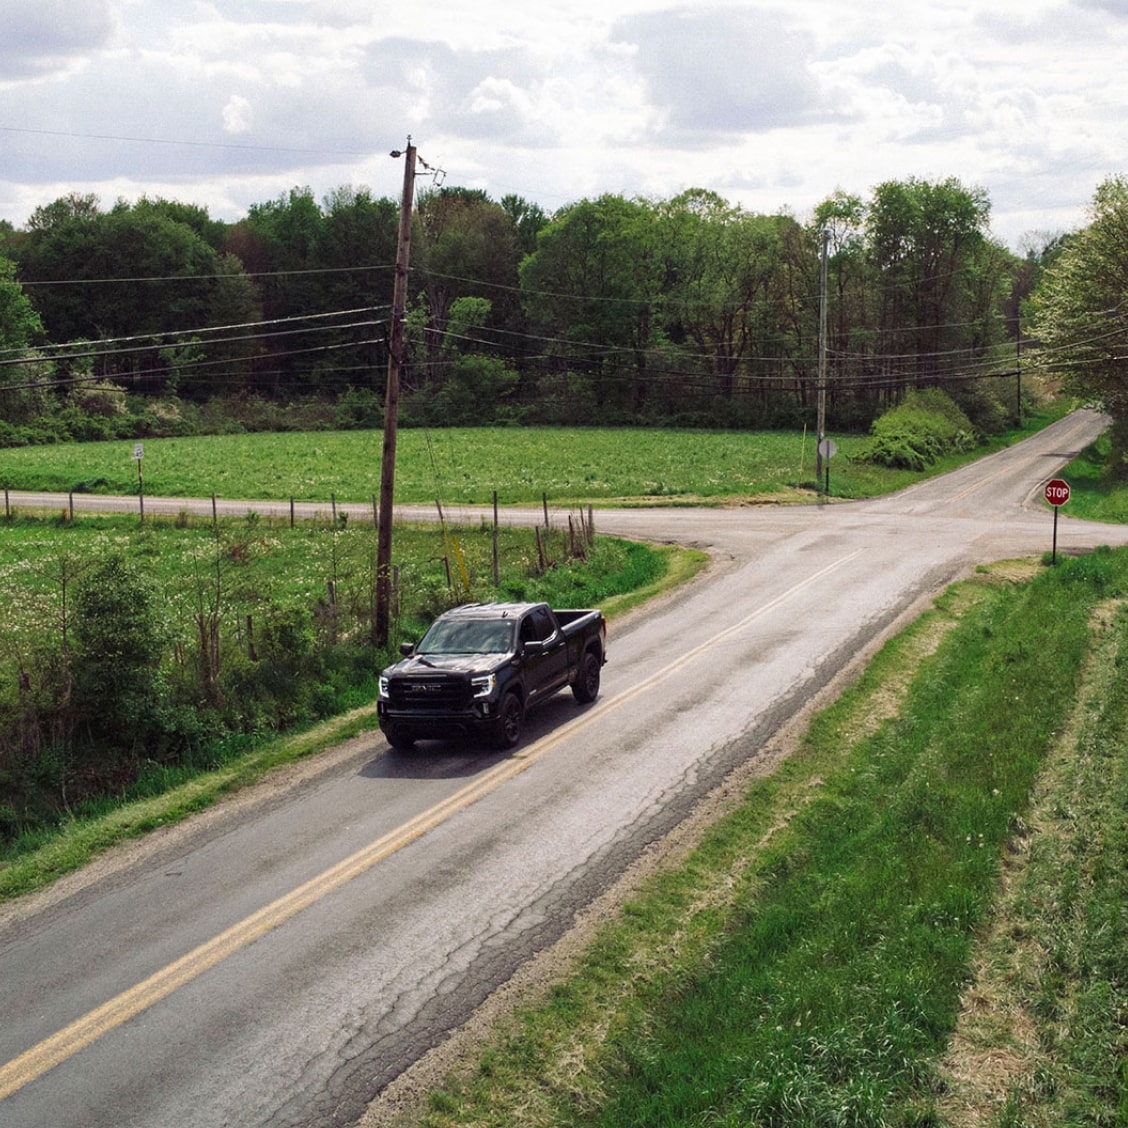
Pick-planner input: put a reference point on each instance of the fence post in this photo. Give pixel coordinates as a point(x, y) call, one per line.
point(291, 511)
point(544, 500)
point(540, 551)
point(496, 568)
point(375, 513)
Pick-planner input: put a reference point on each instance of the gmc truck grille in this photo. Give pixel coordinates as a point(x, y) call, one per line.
point(427, 694)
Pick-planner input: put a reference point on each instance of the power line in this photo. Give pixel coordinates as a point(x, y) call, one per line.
point(154, 341)
point(203, 277)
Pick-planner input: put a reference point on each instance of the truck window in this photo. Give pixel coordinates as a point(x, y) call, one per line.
point(467, 636)
point(537, 625)
point(545, 625)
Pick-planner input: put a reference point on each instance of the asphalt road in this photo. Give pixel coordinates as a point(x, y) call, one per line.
point(282, 958)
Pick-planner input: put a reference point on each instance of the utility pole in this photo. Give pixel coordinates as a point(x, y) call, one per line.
point(382, 623)
point(1018, 370)
point(820, 425)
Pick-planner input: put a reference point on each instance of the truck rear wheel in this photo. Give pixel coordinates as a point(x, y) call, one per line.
point(585, 688)
point(507, 725)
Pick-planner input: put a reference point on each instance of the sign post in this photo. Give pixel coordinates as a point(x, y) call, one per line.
point(827, 448)
point(1057, 494)
point(139, 454)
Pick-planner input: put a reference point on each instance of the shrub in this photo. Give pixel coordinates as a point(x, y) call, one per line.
point(926, 425)
point(359, 408)
point(119, 637)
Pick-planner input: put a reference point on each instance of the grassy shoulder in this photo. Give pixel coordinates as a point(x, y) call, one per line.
point(811, 960)
point(466, 465)
point(1096, 494)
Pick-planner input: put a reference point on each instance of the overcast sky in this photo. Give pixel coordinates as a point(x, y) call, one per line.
point(773, 106)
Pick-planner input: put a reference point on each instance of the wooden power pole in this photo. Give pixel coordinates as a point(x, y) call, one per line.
point(382, 625)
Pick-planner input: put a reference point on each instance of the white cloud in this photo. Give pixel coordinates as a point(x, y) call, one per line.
point(238, 115)
point(44, 37)
point(774, 105)
point(716, 72)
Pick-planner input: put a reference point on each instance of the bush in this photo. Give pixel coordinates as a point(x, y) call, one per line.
point(926, 425)
point(119, 636)
point(359, 408)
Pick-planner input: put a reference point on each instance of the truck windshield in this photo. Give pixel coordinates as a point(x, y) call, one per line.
point(468, 636)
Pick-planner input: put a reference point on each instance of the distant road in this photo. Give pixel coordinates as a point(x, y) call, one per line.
point(280, 959)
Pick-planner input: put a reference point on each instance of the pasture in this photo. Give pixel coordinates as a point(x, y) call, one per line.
point(466, 465)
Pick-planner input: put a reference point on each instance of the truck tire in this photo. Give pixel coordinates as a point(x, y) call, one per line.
point(401, 741)
point(585, 688)
point(507, 725)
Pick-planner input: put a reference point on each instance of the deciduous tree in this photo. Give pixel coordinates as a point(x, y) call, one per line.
point(1081, 310)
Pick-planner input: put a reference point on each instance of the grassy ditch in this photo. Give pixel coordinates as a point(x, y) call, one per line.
point(809, 964)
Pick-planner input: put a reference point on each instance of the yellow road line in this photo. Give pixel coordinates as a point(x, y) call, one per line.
point(56, 1049)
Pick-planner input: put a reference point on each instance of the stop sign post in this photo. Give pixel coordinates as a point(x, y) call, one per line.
point(1057, 494)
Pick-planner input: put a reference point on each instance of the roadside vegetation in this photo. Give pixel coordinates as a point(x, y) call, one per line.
point(944, 853)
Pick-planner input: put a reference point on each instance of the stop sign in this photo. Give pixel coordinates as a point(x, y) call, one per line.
point(1057, 491)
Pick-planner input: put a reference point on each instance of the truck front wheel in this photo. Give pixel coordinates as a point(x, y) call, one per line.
point(507, 725)
point(401, 741)
point(585, 688)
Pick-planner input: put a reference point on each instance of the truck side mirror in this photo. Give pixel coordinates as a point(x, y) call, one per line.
point(407, 649)
point(533, 646)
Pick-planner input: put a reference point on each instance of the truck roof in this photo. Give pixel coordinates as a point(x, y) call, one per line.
point(489, 610)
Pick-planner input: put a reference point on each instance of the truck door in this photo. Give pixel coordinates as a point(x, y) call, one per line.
point(546, 669)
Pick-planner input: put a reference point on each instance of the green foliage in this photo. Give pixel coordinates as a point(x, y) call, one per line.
point(19, 323)
point(1079, 307)
point(926, 425)
point(690, 311)
point(119, 634)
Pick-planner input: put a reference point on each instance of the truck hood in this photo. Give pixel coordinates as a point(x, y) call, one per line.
point(451, 664)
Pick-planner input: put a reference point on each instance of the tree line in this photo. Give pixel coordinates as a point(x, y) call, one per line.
point(688, 311)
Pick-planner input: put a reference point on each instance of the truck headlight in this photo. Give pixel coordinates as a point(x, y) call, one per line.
point(483, 685)
point(384, 686)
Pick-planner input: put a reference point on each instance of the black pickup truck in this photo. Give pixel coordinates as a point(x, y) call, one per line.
point(480, 667)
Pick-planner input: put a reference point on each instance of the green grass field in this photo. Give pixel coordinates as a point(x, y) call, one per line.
point(249, 567)
point(465, 466)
